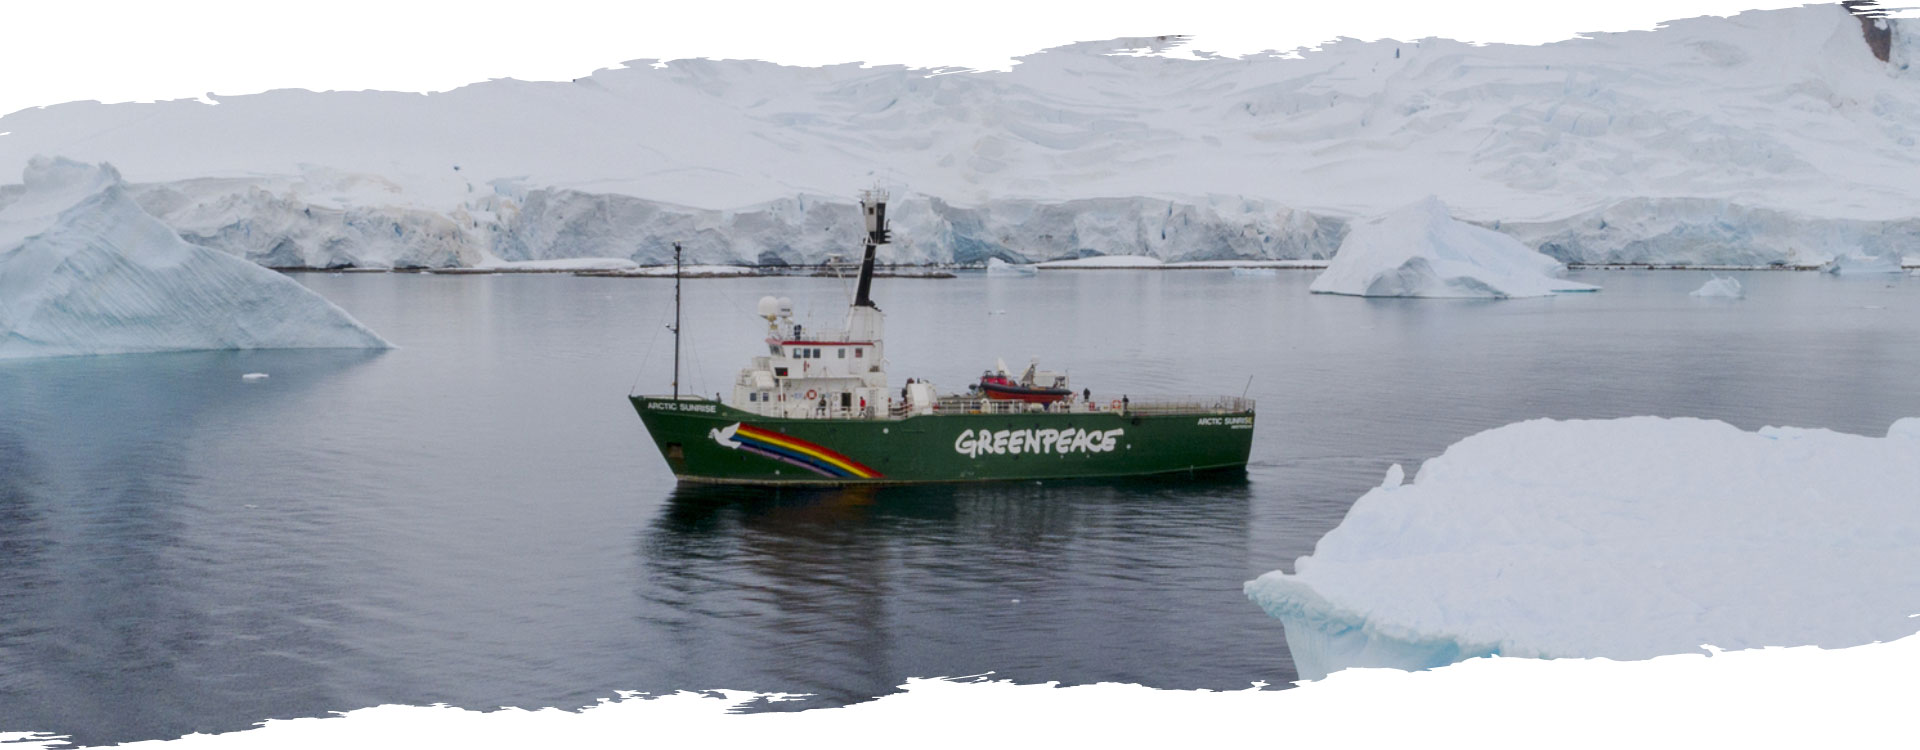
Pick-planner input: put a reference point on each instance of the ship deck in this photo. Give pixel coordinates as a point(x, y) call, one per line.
point(959, 404)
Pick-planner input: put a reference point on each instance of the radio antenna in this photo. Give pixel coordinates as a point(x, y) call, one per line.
point(676, 321)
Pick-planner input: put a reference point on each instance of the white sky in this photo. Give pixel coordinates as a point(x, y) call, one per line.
point(59, 51)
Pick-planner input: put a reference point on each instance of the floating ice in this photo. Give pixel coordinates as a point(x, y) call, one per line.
point(1623, 539)
point(688, 270)
point(1853, 263)
point(1421, 251)
point(1106, 261)
point(1720, 286)
point(83, 270)
point(998, 267)
point(1244, 271)
point(254, 376)
point(559, 264)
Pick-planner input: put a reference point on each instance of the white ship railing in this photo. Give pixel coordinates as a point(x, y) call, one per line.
point(1158, 405)
point(1128, 405)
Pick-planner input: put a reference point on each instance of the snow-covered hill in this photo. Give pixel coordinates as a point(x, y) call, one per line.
point(1740, 139)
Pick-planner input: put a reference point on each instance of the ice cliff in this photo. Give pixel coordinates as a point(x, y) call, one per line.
point(83, 270)
point(1624, 539)
point(1422, 251)
point(1767, 136)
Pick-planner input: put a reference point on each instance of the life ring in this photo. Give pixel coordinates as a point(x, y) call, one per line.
point(1115, 404)
point(811, 395)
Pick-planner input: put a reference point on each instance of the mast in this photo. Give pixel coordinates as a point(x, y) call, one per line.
point(874, 203)
point(676, 321)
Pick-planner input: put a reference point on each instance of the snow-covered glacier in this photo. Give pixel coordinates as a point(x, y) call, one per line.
point(1420, 250)
point(331, 220)
point(1624, 539)
point(83, 270)
point(1769, 136)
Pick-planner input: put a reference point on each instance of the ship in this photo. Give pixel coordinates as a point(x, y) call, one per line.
point(816, 409)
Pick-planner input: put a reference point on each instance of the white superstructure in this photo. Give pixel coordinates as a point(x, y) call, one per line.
point(829, 374)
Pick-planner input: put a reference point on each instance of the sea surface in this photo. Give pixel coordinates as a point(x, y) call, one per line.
point(478, 518)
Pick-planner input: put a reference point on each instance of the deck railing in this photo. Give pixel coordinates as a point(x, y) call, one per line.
point(1128, 405)
point(1151, 406)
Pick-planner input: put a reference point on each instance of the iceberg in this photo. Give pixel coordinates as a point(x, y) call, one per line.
point(998, 267)
point(557, 265)
point(1853, 263)
point(84, 270)
point(1422, 251)
point(1623, 539)
point(1106, 261)
point(1720, 286)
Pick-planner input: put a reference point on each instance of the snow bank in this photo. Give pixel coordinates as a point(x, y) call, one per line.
point(1421, 251)
point(998, 267)
point(1720, 286)
point(83, 270)
point(1623, 539)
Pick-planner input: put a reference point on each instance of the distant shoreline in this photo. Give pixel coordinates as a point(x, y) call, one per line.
point(949, 272)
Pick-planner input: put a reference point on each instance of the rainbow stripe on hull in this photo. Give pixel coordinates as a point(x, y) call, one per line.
point(791, 450)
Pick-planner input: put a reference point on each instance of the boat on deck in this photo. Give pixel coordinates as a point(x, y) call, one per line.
point(1032, 386)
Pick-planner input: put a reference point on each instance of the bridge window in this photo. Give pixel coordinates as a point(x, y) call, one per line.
point(857, 352)
point(843, 352)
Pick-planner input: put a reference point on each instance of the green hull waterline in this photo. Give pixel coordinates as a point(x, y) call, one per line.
point(707, 441)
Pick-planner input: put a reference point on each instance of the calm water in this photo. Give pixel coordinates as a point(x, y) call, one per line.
point(479, 519)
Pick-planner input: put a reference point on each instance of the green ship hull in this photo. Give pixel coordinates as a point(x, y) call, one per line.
point(704, 440)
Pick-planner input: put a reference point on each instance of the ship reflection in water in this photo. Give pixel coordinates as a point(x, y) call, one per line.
point(844, 593)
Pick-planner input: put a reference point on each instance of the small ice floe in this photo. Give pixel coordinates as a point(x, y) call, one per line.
point(1254, 272)
point(254, 376)
point(1720, 286)
point(998, 267)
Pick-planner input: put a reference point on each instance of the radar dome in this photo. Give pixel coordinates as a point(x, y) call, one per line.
point(769, 307)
